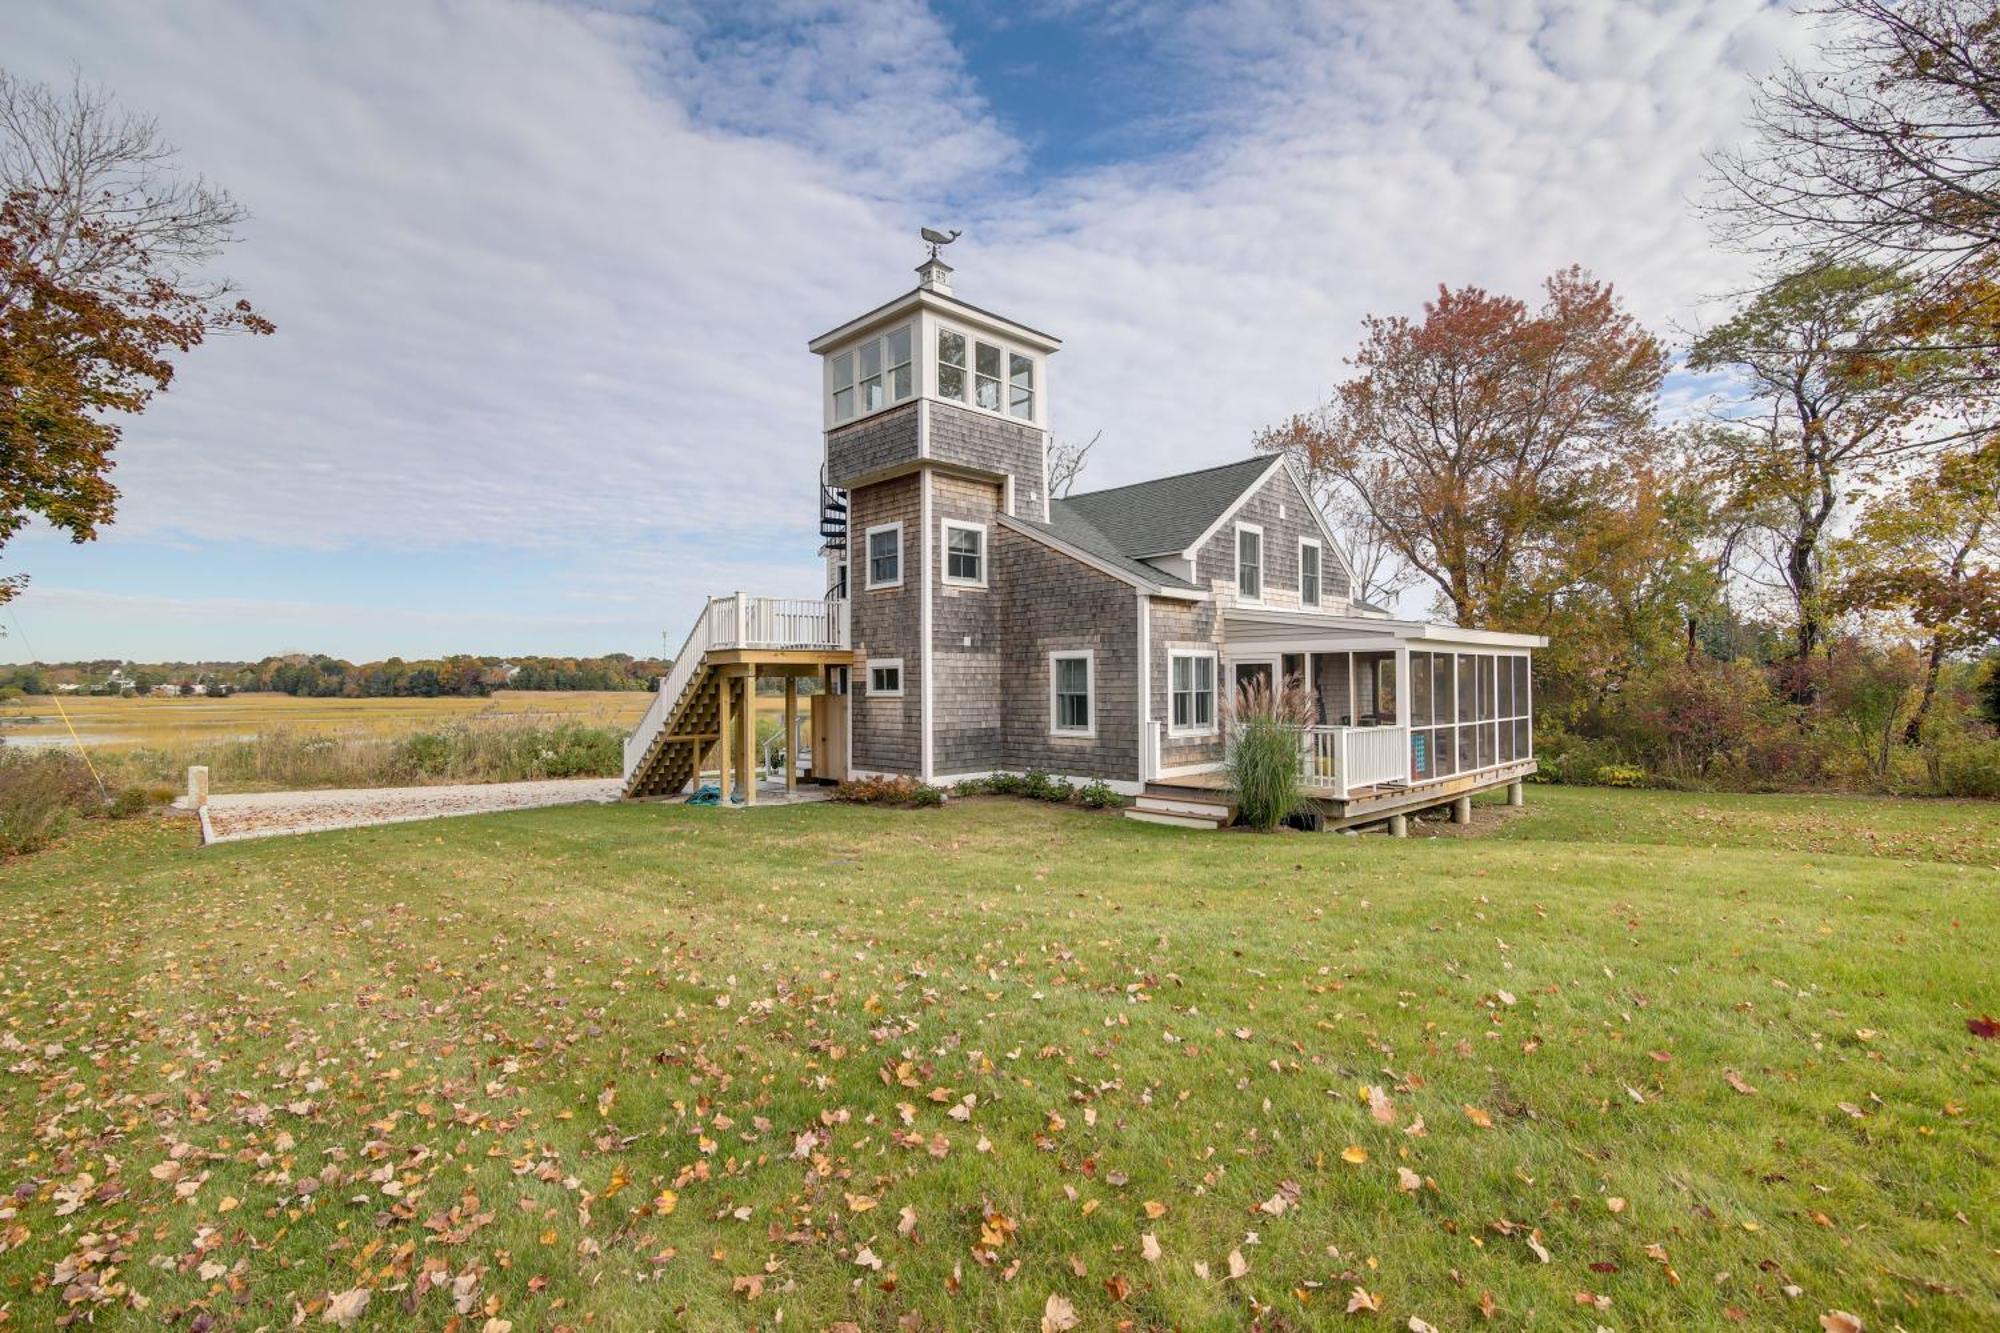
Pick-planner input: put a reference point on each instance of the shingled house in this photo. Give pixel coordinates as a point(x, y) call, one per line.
point(975, 624)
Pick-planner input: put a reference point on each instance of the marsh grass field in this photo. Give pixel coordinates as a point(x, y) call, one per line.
point(263, 742)
point(1624, 1060)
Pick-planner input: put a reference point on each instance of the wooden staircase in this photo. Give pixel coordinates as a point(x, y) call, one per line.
point(731, 638)
point(1183, 807)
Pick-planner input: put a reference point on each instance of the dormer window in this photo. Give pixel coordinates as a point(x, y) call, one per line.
point(873, 375)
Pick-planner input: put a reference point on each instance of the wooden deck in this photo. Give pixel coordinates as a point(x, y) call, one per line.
point(1369, 805)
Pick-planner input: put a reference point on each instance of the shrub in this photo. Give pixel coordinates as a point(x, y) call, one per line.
point(1097, 795)
point(906, 792)
point(1263, 754)
point(40, 794)
point(1972, 769)
point(1619, 775)
point(1042, 787)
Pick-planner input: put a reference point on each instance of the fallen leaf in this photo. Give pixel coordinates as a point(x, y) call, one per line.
point(1237, 1266)
point(1535, 1244)
point(1380, 1107)
point(1149, 1246)
point(1419, 1326)
point(1354, 1155)
point(1407, 1180)
point(345, 1309)
point(1155, 1209)
point(1615, 1204)
point(865, 1258)
point(1985, 1026)
point(1058, 1314)
point(1478, 1117)
point(1735, 1080)
point(906, 1221)
point(1839, 1321)
point(1360, 1301)
point(1117, 1288)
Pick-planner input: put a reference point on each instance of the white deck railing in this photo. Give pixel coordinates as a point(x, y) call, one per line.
point(1342, 760)
point(737, 622)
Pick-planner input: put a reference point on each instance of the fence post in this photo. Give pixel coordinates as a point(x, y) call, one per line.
point(742, 622)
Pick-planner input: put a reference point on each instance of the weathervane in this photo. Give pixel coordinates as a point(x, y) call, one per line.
point(938, 240)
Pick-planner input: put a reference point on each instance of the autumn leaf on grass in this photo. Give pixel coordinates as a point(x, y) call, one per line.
point(1420, 1326)
point(345, 1309)
point(605, 1098)
point(906, 1221)
point(859, 1203)
point(1237, 1267)
point(1839, 1321)
point(1477, 1116)
point(750, 1286)
point(1149, 1246)
point(1407, 1180)
point(1117, 1287)
point(1058, 1315)
point(1735, 1080)
point(1985, 1026)
point(1155, 1209)
point(1360, 1301)
point(1354, 1154)
point(1379, 1105)
point(1535, 1244)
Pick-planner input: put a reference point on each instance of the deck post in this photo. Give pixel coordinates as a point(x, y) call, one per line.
point(1516, 793)
point(747, 762)
point(791, 734)
point(1399, 826)
point(722, 740)
point(1461, 810)
point(1403, 710)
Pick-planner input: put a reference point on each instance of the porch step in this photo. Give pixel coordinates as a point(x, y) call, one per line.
point(1183, 809)
point(1178, 821)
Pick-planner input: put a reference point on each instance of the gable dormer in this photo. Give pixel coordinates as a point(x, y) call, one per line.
point(929, 378)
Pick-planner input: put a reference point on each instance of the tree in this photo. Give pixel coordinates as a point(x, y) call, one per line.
point(1817, 412)
point(102, 246)
point(1931, 553)
point(1475, 437)
point(1887, 153)
point(1067, 459)
point(1380, 575)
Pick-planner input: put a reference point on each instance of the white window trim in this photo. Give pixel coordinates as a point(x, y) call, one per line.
point(888, 387)
point(1319, 572)
point(868, 556)
point(945, 528)
point(1089, 656)
point(1263, 563)
point(1214, 724)
point(884, 663)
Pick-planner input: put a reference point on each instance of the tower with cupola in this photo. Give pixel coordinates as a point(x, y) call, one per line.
point(935, 418)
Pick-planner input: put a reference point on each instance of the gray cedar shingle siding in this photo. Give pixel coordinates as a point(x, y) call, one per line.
point(1177, 624)
point(1215, 563)
point(963, 437)
point(885, 623)
point(966, 676)
point(876, 444)
point(1052, 602)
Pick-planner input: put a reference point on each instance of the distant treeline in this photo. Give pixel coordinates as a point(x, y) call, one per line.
point(318, 676)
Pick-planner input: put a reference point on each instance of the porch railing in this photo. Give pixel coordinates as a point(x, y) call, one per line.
point(738, 621)
point(1343, 760)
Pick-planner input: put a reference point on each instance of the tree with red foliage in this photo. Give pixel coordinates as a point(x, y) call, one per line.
point(101, 250)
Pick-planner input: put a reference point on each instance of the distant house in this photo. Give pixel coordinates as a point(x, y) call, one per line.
point(973, 624)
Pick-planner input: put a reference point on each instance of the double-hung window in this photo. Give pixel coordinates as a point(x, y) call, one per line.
point(1070, 712)
point(964, 554)
point(986, 376)
point(951, 365)
point(1308, 572)
point(1191, 684)
point(1249, 562)
point(885, 556)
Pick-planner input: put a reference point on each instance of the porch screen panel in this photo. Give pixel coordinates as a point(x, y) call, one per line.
point(1422, 744)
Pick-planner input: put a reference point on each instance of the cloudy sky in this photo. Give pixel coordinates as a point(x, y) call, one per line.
point(543, 273)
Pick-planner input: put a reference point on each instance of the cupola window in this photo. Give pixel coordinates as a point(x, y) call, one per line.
point(1021, 386)
point(873, 375)
point(986, 376)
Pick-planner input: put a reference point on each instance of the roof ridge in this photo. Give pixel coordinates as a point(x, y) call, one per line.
point(1176, 476)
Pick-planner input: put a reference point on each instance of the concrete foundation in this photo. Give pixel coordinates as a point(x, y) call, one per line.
point(1399, 826)
point(1461, 810)
point(1517, 793)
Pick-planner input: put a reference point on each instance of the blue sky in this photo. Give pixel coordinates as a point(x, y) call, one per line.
point(543, 272)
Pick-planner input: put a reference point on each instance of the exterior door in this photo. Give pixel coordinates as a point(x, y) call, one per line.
point(1247, 670)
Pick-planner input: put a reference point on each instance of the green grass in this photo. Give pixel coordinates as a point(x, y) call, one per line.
point(425, 1019)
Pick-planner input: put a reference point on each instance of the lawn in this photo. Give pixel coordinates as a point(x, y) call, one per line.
point(1627, 1060)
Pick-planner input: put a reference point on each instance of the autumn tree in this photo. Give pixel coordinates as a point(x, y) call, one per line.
point(1476, 437)
point(1883, 151)
point(103, 248)
point(1812, 412)
point(1930, 553)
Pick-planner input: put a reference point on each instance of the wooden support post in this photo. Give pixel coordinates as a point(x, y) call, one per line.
point(197, 785)
point(1516, 794)
point(722, 742)
point(1399, 826)
point(791, 734)
point(748, 760)
point(1461, 810)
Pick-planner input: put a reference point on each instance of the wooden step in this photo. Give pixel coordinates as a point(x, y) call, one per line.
point(1194, 806)
point(1177, 821)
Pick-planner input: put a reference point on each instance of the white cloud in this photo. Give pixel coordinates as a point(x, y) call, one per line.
point(543, 274)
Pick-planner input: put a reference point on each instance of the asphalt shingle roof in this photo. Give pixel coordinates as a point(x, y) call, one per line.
point(1065, 525)
point(1160, 517)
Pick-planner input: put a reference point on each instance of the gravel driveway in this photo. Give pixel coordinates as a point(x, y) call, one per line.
point(234, 817)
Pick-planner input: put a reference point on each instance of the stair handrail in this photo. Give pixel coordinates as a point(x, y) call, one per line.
point(679, 673)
